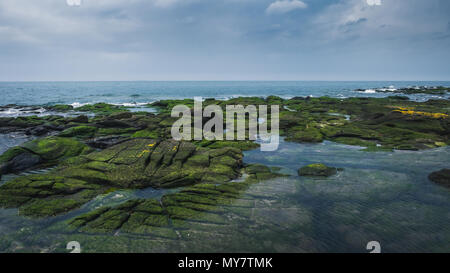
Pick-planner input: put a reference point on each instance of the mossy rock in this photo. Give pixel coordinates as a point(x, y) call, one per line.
point(392, 123)
point(60, 108)
point(317, 169)
point(55, 148)
point(306, 135)
point(115, 131)
point(102, 108)
point(147, 134)
point(137, 163)
point(79, 131)
point(121, 115)
point(41, 152)
point(244, 145)
point(202, 203)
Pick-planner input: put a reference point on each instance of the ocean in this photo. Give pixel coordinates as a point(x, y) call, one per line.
point(143, 92)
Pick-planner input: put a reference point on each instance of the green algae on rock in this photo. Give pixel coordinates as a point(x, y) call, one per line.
point(373, 123)
point(137, 163)
point(79, 131)
point(317, 169)
point(47, 151)
point(101, 108)
point(201, 203)
point(379, 124)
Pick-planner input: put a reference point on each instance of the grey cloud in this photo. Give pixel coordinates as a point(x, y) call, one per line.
point(221, 39)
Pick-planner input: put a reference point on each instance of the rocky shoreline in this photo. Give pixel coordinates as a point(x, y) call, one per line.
point(109, 148)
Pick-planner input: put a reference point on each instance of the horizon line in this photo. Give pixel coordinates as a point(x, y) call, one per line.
point(62, 81)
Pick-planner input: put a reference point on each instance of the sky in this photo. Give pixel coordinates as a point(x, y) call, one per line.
point(59, 40)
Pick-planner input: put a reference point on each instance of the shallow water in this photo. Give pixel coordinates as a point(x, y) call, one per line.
point(13, 139)
point(383, 196)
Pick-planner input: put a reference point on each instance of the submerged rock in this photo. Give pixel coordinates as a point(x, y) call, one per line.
point(202, 203)
point(317, 169)
point(441, 177)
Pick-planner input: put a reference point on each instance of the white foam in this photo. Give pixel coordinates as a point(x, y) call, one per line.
point(78, 105)
point(16, 112)
point(131, 104)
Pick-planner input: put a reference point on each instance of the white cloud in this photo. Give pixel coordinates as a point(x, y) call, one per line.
point(283, 6)
point(374, 2)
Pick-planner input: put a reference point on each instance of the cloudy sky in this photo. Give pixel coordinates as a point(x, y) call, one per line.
point(225, 40)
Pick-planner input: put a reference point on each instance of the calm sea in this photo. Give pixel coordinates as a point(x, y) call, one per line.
point(39, 93)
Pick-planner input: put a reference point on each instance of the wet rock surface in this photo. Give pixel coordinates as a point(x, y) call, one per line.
point(42, 152)
point(317, 169)
point(204, 203)
point(136, 163)
point(441, 177)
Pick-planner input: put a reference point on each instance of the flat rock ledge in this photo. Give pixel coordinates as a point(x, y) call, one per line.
point(134, 164)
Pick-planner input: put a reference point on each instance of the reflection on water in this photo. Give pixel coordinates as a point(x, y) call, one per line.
point(383, 196)
point(13, 139)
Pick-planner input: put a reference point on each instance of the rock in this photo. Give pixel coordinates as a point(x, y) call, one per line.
point(114, 123)
point(21, 162)
point(136, 163)
point(79, 119)
point(317, 169)
point(101, 108)
point(390, 123)
point(202, 203)
point(48, 151)
point(121, 115)
point(105, 142)
point(441, 177)
point(306, 135)
point(38, 130)
point(59, 108)
point(244, 145)
point(147, 133)
point(79, 131)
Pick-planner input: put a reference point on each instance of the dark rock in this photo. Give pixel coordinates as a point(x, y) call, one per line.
point(114, 123)
point(441, 177)
point(79, 119)
point(48, 151)
point(105, 142)
point(121, 115)
point(79, 131)
point(317, 169)
point(21, 162)
point(38, 130)
point(60, 108)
